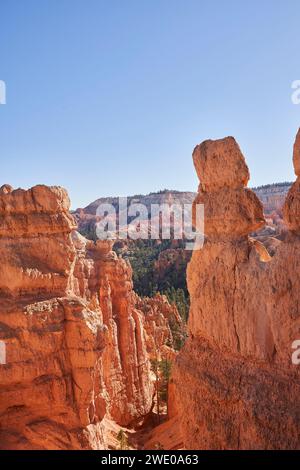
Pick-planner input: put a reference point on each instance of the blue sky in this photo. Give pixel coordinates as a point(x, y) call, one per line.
point(110, 97)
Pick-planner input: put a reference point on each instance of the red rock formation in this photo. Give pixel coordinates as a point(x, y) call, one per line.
point(36, 250)
point(220, 164)
point(163, 326)
point(171, 260)
point(235, 372)
point(105, 281)
point(76, 343)
point(48, 383)
point(291, 210)
point(296, 156)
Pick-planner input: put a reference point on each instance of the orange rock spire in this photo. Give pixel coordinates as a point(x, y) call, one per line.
point(235, 371)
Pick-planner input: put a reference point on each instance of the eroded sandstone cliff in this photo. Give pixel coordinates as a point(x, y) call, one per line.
point(234, 381)
point(76, 335)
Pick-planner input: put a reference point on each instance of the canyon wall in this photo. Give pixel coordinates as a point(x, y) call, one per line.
point(76, 335)
point(234, 381)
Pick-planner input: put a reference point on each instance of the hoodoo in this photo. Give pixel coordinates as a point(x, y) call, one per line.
point(235, 372)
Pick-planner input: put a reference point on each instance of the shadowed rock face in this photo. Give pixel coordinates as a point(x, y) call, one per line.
point(235, 371)
point(77, 346)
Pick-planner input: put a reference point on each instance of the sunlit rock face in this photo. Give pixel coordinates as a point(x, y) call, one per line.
point(77, 345)
point(235, 372)
point(296, 155)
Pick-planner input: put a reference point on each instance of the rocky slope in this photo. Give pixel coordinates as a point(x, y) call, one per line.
point(272, 197)
point(78, 340)
point(162, 197)
point(235, 371)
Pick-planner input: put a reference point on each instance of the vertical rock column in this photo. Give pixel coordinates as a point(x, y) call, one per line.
point(231, 212)
point(51, 391)
point(128, 382)
point(235, 372)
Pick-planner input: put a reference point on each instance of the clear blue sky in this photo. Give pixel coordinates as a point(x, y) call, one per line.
point(109, 97)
